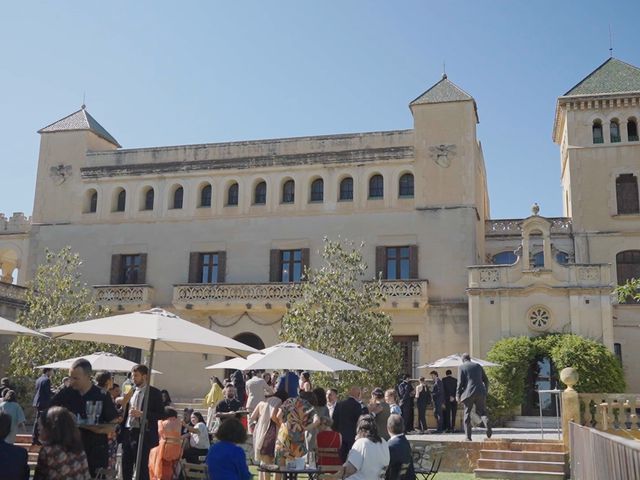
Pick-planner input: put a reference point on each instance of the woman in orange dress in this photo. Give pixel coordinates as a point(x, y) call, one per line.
point(164, 457)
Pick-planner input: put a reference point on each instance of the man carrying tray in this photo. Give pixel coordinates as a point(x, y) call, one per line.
point(94, 411)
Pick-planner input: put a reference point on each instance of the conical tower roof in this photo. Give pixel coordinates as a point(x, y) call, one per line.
point(80, 120)
point(612, 77)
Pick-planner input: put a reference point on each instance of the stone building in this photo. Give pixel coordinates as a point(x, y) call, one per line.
point(218, 232)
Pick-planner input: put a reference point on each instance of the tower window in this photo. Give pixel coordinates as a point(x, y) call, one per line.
point(288, 191)
point(178, 196)
point(614, 130)
point(121, 201)
point(376, 186)
point(232, 195)
point(627, 194)
point(346, 189)
point(149, 197)
point(405, 187)
point(205, 196)
point(598, 137)
point(505, 258)
point(91, 205)
point(627, 267)
point(260, 194)
point(317, 190)
point(632, 130)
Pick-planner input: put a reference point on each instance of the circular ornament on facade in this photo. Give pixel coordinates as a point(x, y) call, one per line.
point(539, 318)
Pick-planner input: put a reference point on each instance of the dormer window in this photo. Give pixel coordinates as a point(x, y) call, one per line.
point(597, 132)
point(614, 131)
point(632, 130)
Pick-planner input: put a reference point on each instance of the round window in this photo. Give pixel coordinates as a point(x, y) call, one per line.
point(539, 318)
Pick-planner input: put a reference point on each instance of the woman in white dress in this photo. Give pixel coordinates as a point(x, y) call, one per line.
point(369, 454)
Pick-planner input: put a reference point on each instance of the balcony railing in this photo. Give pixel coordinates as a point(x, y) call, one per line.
point(13, 293)
point(124, 297)
point(398, 293)
point(246, 295)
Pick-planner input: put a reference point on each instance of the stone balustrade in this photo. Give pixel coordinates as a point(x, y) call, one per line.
point(242, 295)
point(12, 292)
point(17, 223)
point(207, 296)
point(559, 225)
point(124, 297)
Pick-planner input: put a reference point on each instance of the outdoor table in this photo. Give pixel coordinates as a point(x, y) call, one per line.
point(290, 474)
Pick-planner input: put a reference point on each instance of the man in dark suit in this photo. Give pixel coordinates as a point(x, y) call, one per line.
point(437, 393)
point(400, 456)
point(406, 394)
point(131, 424)
point(473, 386)
point(345, 420)
point(13, 459)
point(41, 400)
point(450, 405)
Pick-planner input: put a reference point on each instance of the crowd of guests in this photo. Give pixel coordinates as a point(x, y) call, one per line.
point(82, 424)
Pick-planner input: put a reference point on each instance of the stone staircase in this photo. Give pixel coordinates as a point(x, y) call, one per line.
point(530, 460)
point(533, 423)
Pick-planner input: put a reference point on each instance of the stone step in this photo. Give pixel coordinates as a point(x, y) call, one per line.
point(524, 455)
point(521, 465)
point(517, 475)
point(538, 446)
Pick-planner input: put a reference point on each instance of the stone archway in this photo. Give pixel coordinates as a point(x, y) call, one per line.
point(250, 339)
point(9, 262)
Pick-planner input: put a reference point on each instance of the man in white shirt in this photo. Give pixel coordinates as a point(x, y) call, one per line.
point(332, 399)
point(256, 390)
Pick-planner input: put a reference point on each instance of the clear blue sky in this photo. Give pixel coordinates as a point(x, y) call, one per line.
point(178, 72)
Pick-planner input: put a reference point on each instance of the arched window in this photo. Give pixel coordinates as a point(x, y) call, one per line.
point(92, 202)
point(317, 190)
point(538, 260)
point(149, 197)
point(598, 137)
point(562, 258)
point(346, 189)
point(627, 266)
point(627, 194)
point(205, 196)
point(178, 195)
point(121, 200)
point(504, 258)
point(614, 131)
point(405, 187)
point(232, 194)
point(260, 193)
point(376, 186)
point(632, 130)
point(288, 191)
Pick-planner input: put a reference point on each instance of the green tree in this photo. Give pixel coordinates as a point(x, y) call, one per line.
point(629, 291)
point(598, 369)
point(339, 315)
point(55, 296)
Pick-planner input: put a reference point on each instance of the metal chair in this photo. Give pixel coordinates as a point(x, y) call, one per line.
point(427, 473)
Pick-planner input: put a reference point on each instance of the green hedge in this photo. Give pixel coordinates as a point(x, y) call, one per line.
point(598, 369)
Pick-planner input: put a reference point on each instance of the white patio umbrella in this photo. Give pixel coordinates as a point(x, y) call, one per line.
point(7, 327)
point(105, 361)
point(455, 360)
point(289, 356)
point(151, 330)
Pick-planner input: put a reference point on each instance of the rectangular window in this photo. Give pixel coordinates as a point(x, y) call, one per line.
point(208, 268)
point(131, 269)
point(617, 351)
point(290, 265)
point(398, 263)
point(627, 194)
point(410, 354)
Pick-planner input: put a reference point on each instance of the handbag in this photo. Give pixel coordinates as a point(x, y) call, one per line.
point(269, 442)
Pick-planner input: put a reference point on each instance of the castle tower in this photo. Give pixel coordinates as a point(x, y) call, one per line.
point(63, 148)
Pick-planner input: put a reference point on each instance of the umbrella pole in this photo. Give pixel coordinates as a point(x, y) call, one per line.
point(143, 418)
